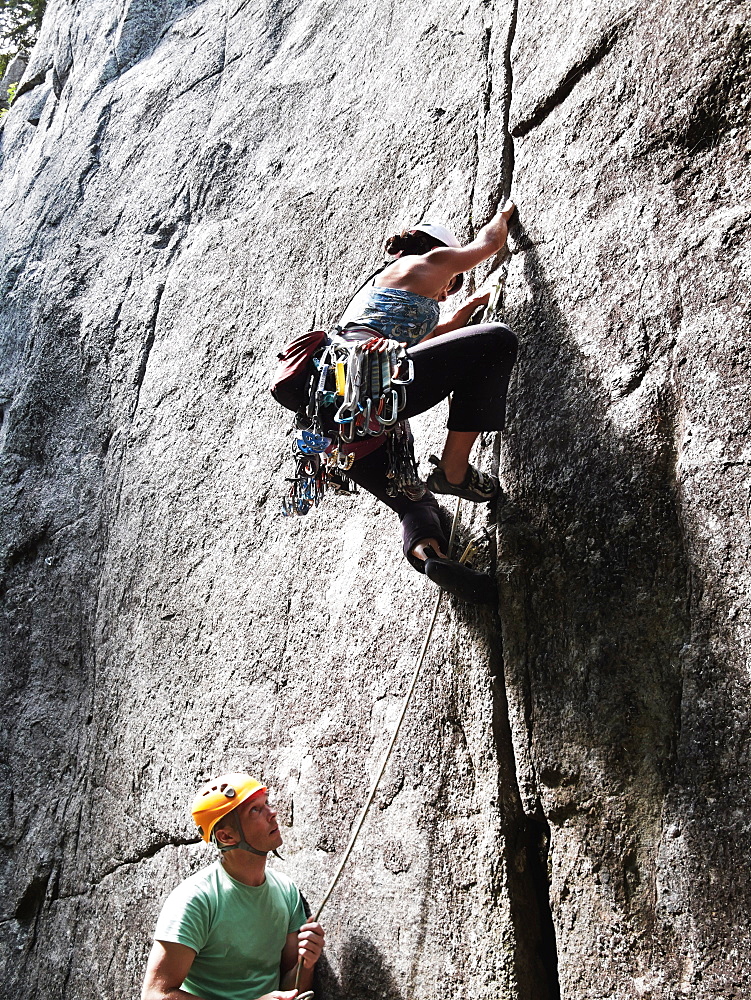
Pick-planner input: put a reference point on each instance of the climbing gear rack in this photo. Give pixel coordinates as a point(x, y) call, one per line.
point(402, 471)
point(354, 395)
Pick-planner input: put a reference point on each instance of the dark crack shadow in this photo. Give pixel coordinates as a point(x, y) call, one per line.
point(525, 838)
point(525, 844)
point(562, 90)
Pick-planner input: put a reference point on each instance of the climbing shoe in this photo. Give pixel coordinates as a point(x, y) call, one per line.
point(461, 581)
point(476, 486)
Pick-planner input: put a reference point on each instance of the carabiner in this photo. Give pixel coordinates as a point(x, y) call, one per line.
point(385, 373)
point(323, 372)
point(374, 360)
point(346, 429)
point(410, 372)
point(362, 420)
point(345, 414)
point(391, 412)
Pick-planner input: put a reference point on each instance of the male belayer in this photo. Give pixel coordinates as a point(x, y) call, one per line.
point(235, 930)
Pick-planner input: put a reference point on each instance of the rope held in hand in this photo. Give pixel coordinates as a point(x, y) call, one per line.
point(387, 755)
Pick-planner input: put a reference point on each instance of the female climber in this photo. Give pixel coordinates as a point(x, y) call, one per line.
point(473, 363)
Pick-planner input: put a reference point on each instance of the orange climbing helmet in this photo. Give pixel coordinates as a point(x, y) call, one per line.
point(220, 796)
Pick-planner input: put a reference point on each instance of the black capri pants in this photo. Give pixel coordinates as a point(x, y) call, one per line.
point(474, 364)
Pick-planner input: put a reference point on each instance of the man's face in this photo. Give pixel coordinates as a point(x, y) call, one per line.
point(259, 825)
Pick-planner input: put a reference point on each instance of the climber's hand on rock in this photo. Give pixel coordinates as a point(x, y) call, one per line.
point(480, 298)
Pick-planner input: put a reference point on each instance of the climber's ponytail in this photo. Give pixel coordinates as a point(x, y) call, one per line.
point(410, 242)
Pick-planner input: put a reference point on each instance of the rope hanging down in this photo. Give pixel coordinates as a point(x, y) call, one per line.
point(493, 309)
point(387, 755)
point(495, 306)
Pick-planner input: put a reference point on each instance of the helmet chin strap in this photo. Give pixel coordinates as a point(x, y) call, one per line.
point(242, 843)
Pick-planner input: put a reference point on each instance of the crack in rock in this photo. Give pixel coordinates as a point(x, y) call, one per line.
point(136, 859)
point(147, 347)
point(564, 88)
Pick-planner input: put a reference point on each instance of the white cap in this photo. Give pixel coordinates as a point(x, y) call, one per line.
point(438, 231)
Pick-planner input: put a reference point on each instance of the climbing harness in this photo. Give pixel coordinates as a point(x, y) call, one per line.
point(352, 398)
point(353, 395)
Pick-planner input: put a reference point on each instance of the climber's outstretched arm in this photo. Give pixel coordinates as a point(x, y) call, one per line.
point(490, 239)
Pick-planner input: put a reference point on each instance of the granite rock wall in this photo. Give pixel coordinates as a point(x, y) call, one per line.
point(14, 71)
point(187, 184)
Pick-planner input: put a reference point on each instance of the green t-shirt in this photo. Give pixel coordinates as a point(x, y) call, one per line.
point(237, 931)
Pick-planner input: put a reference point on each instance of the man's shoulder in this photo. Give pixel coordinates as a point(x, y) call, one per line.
point(189, 910)
point(203, 882)
point(281, 881)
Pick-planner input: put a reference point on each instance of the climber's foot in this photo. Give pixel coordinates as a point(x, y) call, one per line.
point(461, 581)
point(476, 486)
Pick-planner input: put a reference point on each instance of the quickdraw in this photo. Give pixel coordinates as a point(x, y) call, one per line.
point(353, 394)
point(308, 484)
point(402, 470)
point(369, 403)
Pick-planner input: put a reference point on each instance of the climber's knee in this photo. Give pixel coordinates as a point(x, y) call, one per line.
point(504, 339)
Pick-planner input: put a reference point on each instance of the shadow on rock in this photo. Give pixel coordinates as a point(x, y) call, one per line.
point(364, 974)
point(594, 595)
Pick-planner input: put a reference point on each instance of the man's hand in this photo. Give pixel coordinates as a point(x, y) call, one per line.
point(279, 995)
point(310, 942)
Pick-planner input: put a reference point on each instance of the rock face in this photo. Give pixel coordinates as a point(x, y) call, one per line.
point(186, 185)
point(11, 77)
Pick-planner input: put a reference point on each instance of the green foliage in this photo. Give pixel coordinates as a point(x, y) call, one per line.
point(11, 97)
point(5, 58)
point(20, 21)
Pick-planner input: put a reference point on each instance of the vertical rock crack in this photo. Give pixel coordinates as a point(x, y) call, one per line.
point(147, 346)
point(528, 835)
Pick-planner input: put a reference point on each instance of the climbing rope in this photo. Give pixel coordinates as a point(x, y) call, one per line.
point(387, 755)
point(493, 310)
